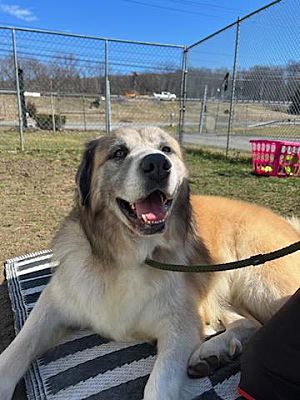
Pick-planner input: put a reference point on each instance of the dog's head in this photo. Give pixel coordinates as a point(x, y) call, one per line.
point(134, 174)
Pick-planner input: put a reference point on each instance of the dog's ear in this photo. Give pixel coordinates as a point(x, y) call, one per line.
point(84, 172)
point(183, 210)
point(183, 202)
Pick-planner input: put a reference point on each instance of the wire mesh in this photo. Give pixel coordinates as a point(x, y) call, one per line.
point(138, 71)
point(63, 81)
point(8, 100)
point(268, 78)
point(71, 82)
point(209, 85)
point(76, 83)
point(265, 91)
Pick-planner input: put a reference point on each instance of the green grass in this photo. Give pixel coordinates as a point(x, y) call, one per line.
point(37, 186)
point(212, 174)
point(291, 132)
point(44, 142)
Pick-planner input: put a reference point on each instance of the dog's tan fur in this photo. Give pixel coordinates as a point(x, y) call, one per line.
point(232, 230)
point(103, 283)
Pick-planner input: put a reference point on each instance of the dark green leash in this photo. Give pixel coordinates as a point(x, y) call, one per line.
point(258, 259)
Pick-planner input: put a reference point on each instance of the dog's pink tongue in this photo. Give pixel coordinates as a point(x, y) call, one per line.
point(151, 208)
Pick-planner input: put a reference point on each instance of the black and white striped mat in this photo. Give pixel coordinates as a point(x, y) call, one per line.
point(87, 366)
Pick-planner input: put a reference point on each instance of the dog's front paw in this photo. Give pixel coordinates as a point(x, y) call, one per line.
point(163, 387)
point(212, 354)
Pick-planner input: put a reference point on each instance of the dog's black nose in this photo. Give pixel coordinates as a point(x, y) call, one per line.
point(156, 166)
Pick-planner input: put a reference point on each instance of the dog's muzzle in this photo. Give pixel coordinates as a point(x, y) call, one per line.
point(148, 213)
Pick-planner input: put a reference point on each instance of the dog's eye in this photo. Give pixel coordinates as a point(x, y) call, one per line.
point(120, 153)
point(166, 149)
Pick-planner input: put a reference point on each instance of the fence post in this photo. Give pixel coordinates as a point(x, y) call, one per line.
point(107, 93)
point(52, 106)
point(58, 106)
point(202, 111)
point(182, 94)
point(246, 125)
point(217, 116)
point(83, 110)
point(53, 114)
point(172, 115)
point(234, 70)
point(18, 89)
point(22, 97)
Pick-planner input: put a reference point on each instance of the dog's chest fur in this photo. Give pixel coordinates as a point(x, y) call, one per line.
point(123, 302)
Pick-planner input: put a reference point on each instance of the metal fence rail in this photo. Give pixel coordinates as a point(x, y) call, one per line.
point(243, 80)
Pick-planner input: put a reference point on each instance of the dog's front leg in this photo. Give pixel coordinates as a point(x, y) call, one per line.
point(42, 328)
point(174, 347)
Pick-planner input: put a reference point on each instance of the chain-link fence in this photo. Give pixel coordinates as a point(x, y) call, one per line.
point(241, 81)
point(135, 73)
point(245, 79)
point(56, 82)
point(208, 84)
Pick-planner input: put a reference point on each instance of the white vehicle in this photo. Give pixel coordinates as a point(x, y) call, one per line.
point(165, 96)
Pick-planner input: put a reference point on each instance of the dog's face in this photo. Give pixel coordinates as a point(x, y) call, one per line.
point(135, 174)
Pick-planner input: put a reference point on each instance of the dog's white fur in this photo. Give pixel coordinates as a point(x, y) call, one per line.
point(103, 283)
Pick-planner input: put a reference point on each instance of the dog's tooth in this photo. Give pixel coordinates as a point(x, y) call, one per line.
point(144, 218)
point(132, 206)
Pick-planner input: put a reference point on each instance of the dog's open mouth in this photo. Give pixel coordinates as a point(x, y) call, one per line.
point(149, 214)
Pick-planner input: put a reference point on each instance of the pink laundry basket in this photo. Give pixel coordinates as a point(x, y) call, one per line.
point(275, 158)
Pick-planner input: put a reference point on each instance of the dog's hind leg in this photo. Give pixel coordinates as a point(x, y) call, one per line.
point(41, 330)
point(220, 349)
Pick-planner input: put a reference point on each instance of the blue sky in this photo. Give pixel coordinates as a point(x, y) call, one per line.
point(167, 21)
point(270, 38)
